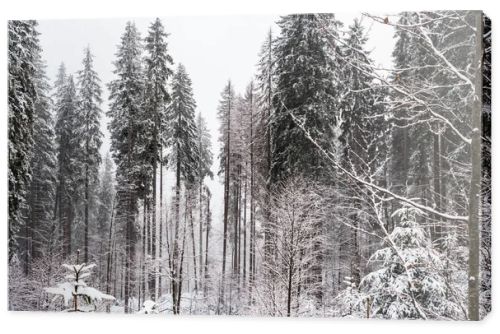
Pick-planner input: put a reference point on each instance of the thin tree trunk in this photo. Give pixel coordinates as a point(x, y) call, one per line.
point(252, 202)
point(208, 217)
point(179, 296)
point(226, 200)
point(436, 170)
point(109, 254)
point(289, 290)
point(175, 264)
point(160, 235)
point(191, 223)
point(144, 248)
point(87, 199)
point(152, 270)
point(245, 231)
point(200, 222)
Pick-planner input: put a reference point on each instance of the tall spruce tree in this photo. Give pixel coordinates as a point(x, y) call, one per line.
point(68, 154)
point(306, 92)
point(39, 238)
point(125, 113)
point(225, 111)
point(307, 88)
point(158, 72)
point(183, 159)
point(90, 135)
point(361, 133)
point(23, 50)
point(262, 142)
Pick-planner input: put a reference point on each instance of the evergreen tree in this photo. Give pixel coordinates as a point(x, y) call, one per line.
point(76, 294)
point(361, 134)
point(205, 157)
point(225, 110)
point(266, 77)
point(90, 135)
point(407, 283)
point(68, 153)
point(359, 102)
point(125, 113)
point(156, 98)
point(22, 57)
point(306, 92)
point(40, 228)
point(182, 127)
point(183, 159)
point(307, 88)
point(262, 142)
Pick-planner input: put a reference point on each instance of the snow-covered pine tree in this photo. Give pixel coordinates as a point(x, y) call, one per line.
point(40, 237)
point(183, 159)
point(359, 102)
point(265, 81)
point(407, 283)
point(306, 94)
point(68, 157)
point(262, 142)
point(89, 115)
point(76, 294)
point(224, 112)
point(125, 113)
point(156, 98)
point(361, 134)
point(23, 50)
point(307, 88)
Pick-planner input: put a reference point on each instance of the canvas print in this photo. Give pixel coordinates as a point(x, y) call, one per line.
point(303, 165)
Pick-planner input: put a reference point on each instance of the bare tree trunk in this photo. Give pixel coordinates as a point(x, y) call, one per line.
point(436, 170)
point(200, 242)
point(474, 196)
point(252, 203)
point(245, 230)
point(160, 235)
point(356, 263)
point(109, 255)
point(181, 265)
point(129, 253)
point(226, 200)
point(236, 218)
point(152, 271)
point(175, 254)
point(209, 218)
point(86, 222)
point(268, 157)
point(189, 209)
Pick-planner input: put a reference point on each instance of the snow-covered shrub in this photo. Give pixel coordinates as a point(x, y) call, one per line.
point(408, 283)
point(351, 302)
point(149, 307)
point(77, 295)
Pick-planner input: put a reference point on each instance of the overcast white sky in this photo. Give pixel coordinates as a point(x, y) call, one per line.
point(213, 49)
